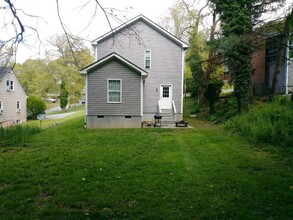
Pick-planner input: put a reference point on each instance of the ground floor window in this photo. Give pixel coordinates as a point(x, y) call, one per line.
point(114, 91)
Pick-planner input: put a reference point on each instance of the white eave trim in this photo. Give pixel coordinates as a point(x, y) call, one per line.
point(169, 35)
point(85, 71)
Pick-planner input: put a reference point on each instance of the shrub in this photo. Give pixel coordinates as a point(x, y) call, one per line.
point(35, 106)
point(270, 123)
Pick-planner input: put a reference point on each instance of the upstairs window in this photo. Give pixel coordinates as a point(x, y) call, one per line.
point(147, 59)
point(9, 85)
point(18, 106)
point(114, 91)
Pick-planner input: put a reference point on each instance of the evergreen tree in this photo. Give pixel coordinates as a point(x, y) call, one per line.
point(63, 96)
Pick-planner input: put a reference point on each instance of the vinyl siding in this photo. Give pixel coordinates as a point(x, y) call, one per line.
point(166, 60)
point(9, 99)
point(97, 90)
point(290, 75)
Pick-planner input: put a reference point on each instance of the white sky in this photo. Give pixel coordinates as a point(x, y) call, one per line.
point(77, 19)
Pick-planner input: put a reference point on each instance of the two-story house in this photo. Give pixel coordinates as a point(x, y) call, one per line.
point(138, 73)
point(12, 99)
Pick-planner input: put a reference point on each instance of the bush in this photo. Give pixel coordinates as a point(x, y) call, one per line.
point(35, 106)
point(17, 135)
point(266, 124)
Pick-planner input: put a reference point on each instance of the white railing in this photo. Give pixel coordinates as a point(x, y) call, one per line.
point(159, 107)
point(174, 111)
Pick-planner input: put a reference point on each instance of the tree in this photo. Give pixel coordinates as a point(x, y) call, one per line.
point(35, 106)
point(237, 21)
point(18, 25)
point(67, 63)
point(183, 19)
point(35, 77)
point(63, 96)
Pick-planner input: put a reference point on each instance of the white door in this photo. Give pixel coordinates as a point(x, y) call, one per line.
point(166, 96)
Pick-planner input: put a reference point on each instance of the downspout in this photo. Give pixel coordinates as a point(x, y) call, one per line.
point(287, 69)
point(141, 98)
point(86, 100)
point(182, 80)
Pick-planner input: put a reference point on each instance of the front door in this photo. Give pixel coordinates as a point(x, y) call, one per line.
point(166, 96)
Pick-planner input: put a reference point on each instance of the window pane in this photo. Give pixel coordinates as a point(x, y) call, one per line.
point(166, 92)
point(114, 91)
point(147, 59)
point(114, 96)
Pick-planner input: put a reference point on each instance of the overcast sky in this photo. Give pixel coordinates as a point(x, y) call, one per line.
point(77, 19)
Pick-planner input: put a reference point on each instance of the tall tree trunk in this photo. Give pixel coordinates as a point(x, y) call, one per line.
point(281, 52)
point(210, 63)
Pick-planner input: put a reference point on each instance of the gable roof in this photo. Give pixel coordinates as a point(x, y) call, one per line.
point(4, 70)
point(145, 20)
point(113, 56)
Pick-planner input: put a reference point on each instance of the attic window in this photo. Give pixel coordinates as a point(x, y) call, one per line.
point(147, 59)
point(9, 85)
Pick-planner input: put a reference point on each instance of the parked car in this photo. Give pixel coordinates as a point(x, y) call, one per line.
point(53, 100)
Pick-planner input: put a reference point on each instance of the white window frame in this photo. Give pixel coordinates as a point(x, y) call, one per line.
point(1, 107)
point(108, 91)
point(146, 59)
point(10, 85)
point(18, 106)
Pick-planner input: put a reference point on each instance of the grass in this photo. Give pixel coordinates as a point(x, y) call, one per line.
point(203, 173)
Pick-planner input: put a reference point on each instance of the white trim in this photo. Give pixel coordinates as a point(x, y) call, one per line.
point(287, 69)
point(170, 94)
point(1, 107)
point(182, 80)
point(110, 56)
point(141, 97)
point(18, 106)
point(111, 102)
point(154, 25)
point(86, 95)
point(145, 53)
point(9, 83)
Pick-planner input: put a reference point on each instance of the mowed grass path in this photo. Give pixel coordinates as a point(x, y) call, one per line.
point(203, 173)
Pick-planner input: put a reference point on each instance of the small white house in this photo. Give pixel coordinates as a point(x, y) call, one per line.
point(12, 99)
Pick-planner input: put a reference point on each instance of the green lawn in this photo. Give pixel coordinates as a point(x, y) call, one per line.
point(203, 173)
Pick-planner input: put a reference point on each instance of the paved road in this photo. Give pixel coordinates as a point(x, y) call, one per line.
point(59, 116)
point(53, 110)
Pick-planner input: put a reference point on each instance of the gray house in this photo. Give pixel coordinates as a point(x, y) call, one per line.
point(12, 99)
point(139, 72)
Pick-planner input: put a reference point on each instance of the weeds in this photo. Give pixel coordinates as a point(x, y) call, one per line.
point(17, 135)
point(270, 123)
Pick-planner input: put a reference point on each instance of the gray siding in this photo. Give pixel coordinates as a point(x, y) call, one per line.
point(9, 99)
point(281, 84)
point(97, 90)
point(166, 60)
point(290, 76)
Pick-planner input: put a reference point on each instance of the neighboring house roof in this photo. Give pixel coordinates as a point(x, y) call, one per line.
point(147, 21)
point(110, 57)
point(4, 70)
